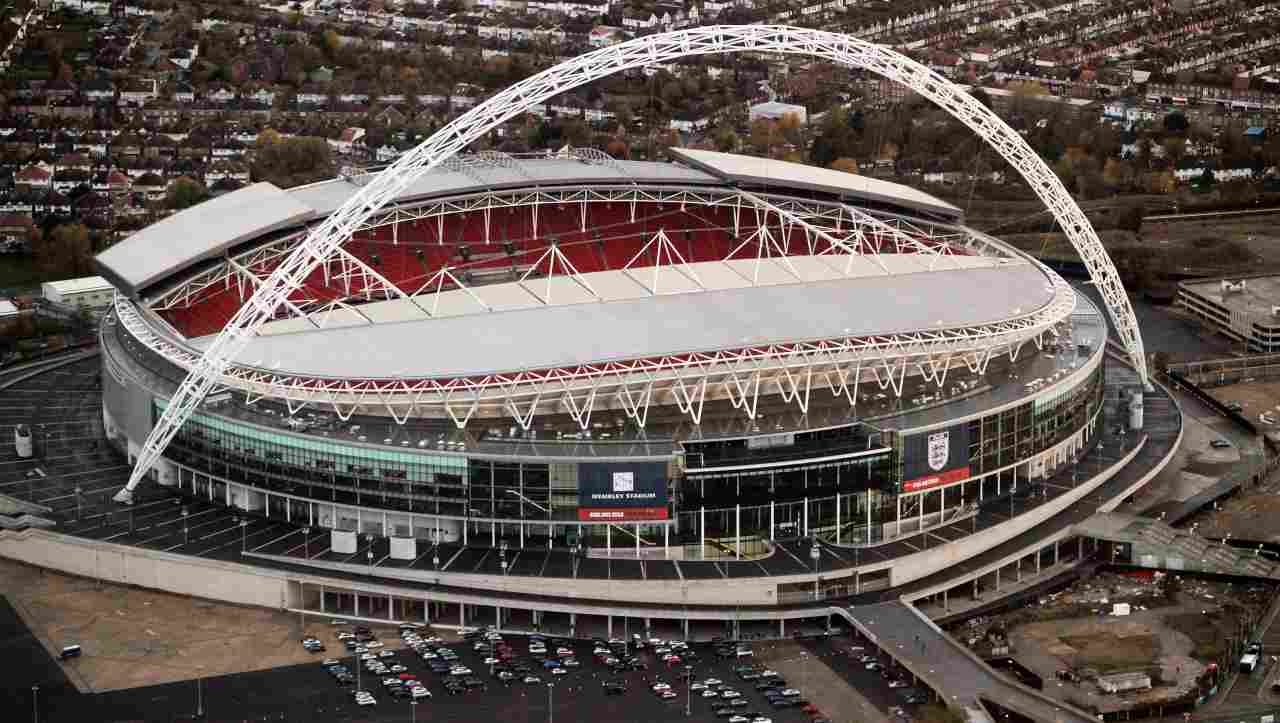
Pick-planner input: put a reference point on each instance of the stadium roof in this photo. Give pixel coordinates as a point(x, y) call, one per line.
point(537, 336)
point(327, 196)
point(763, 171)
point(209, 229)
point(201, 232)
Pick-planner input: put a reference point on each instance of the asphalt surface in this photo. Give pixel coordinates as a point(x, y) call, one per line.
point(308, 693)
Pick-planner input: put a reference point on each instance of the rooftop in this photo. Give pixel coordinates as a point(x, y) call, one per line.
point(627, 323)
point(79, 286)
point(1250, 295)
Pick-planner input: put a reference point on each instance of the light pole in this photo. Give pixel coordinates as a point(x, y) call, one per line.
point(413, 709)
point(35, 704)
point(368, 554)
point(306, 542)
point(200, 695)
point(688, 700)
point(186, 531)
point(244, 536)
point(551, 711)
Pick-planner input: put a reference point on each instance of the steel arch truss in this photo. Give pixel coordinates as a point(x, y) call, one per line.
point(638, 53)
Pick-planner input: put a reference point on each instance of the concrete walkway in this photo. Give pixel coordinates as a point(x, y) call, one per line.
point(947, 666)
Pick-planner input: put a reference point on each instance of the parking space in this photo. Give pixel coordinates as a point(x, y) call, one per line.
point(471, 682)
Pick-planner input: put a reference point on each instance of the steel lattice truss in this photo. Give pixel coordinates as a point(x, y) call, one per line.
point(829, 228)
point(517, 99)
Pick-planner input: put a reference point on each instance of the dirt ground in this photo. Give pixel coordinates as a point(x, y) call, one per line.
point(1075, 630)
point(134, 637)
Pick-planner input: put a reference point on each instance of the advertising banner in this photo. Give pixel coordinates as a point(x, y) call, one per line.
point(622, 492)
point(936, 458)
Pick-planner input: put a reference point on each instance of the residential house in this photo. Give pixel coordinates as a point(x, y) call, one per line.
point(137, 93)
point(348, 140)
point(34, 177)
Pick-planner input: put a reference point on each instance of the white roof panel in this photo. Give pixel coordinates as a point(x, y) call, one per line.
point(201, 232)
point(531, 335)
point(764, 171)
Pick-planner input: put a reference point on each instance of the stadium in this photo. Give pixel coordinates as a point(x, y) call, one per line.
point(705, 388)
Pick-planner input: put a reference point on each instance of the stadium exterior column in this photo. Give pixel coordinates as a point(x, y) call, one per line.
point(737, 532)
point(322, 598)
point(666, 539)
point(608, 539)
point(355, 601)
point(782, 628)
point(493, 532)
point(462, 616)
point(464, 532)
point(391, 608)
point(702, 524)
point(609, 628)
point(637, 533)
point(573, 625)
point(806, 518)
point(384, 524)
point(837, 506)
point(686, 628)
point(898, 522)
point(1038, 551)
point(520, 524)
point(1019, 570)
point(771, 520)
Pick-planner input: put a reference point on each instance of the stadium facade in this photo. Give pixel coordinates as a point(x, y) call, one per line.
point(689, 361)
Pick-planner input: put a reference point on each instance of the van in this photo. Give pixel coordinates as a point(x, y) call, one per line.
point(70, 651)
point(1249, 663)
point(744, 652)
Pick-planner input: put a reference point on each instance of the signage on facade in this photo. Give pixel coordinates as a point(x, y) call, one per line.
point(935, 458)
point(635, 492)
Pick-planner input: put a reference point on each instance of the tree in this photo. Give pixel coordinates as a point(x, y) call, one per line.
point(1176, 123)
point(185, 192)
point(1206, 179)
point(65, 250)
point(289, 162)
point(848, 165)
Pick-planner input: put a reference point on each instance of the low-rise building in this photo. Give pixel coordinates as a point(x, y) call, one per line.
point(91, 292)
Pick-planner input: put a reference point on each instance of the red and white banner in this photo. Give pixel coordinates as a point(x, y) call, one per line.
point(621, 514)
point(935, 480)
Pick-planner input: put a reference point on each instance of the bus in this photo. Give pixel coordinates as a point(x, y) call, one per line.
point(22, 440)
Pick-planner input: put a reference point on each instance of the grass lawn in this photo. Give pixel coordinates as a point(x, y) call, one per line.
point(1110, 654)
point(19, 275)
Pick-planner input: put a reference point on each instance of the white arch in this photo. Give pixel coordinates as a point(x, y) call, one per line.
point(638, 53)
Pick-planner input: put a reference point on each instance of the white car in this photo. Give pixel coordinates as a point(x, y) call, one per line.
point(790, 693)
point(564, 652)
point(761, 719)
point(373, 644)
point(898, 683)
point(491, 661)
point(767, 673)
point(330, 661)
point(346, 636)
point(459, 670)
point(428, 655)
point(368, 656)
point(730, 694)
point(399, 669)
point(661, 686)
point(559, 671)
point(666, 694)
point(708, 693)
point(738, 719)
point(366, 700)
point(698, 686)
point(386, 654)
point(420, 692)
point(360, 649)
point(713, 681)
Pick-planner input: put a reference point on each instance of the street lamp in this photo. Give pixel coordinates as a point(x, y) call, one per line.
point(200, 694)
point(35, 704)
point(688, 701)
point(551, 711)
point(413, 710)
